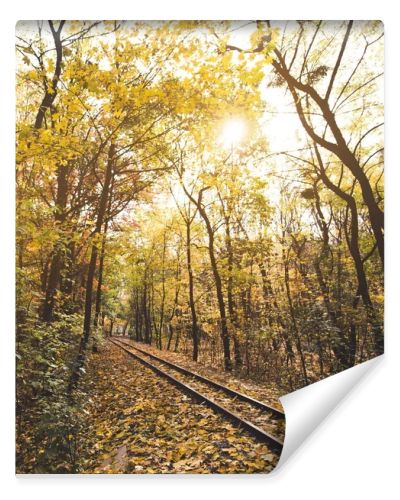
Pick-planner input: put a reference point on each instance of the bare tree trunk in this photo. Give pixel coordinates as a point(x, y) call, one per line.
point(217, 279)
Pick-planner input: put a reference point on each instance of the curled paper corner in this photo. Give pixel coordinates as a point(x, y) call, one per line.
point(306, 408)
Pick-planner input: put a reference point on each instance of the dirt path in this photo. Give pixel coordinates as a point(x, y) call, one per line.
point(139, 423)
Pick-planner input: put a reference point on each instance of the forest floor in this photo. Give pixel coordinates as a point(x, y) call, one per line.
point(140, 423)
point(267, 393)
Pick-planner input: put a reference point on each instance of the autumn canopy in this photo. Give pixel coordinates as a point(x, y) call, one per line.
point(214, 191)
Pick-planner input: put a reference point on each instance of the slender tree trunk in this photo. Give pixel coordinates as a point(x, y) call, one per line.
point(171, 332)
point(99, 285)
point(176, 298)
point(138, 316)
point(91, 271)
point(217, 280)
point(268, 292)
point(53, 281)
point(220, 295)
point(231, 304)
point(294, 321)
point(191, 292)
point(146, 313)
point(100, 281)
point(341, 348)
point(353, 333)
point(102, 256)
point(163, 293)
point(67, 280)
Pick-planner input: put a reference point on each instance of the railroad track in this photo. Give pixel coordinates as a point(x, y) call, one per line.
point(264, 422)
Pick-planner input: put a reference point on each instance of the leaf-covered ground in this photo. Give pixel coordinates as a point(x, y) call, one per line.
point(140, 423)
point(259, 417)
point(268, 393)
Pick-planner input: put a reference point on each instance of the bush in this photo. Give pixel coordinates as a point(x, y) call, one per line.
point(49, 420)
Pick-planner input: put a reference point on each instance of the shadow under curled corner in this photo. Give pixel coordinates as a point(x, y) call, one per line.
point(306, 408)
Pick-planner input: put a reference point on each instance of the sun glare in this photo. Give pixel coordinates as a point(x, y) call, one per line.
point(233, 132)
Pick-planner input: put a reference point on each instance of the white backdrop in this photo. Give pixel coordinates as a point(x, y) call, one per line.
point(355, 452)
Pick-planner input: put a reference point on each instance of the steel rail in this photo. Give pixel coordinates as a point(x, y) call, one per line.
point(243, 397)
point(273, 442)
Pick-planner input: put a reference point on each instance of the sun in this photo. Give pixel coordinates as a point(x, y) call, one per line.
point(233, 132)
